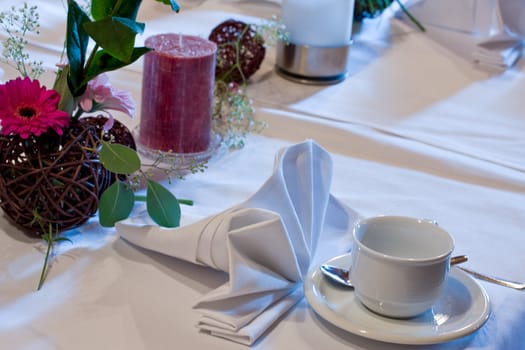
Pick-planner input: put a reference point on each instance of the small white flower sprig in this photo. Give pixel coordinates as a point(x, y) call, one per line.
point(16, 23)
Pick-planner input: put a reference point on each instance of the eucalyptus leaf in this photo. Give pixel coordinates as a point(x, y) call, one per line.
point(105, 8)
point(76, 45)
point(162, 205)
point(118, 158)
point(115, 204)
point(174, 5)
point(104, 62)
point(116, 35)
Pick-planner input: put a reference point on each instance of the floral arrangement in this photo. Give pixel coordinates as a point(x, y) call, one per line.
point(57, 166)
point(63, 156)
point(37, 121)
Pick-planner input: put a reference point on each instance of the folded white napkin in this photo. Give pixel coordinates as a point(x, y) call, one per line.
point(498, 52)
point(504, 46)
point(265, 244)
point(489, 33)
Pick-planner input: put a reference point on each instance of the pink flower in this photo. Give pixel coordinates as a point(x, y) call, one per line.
point(101, 96)
point(27, 108)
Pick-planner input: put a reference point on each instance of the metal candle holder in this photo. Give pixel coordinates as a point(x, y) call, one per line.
point(309, 64)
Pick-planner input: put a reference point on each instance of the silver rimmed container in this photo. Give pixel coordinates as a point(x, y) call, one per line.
point(309, 64)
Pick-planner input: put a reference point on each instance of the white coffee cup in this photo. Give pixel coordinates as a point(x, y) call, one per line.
point(399, 264)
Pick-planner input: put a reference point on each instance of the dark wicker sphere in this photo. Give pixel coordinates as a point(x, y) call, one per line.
point(227, 36)
point(119, 133)
point(58, 176)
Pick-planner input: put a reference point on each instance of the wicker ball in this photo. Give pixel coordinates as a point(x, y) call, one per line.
point(251, 50)
point(60, 177)
point(119, 133)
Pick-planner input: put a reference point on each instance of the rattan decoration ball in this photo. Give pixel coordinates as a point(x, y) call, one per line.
point(59, 178)
point(240, 51)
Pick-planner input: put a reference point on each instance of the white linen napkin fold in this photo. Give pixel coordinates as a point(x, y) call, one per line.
point(489, 33)
point(265, 244)
point(501, 48)
point(511, 14)
point(498, 52)
point(504, 46)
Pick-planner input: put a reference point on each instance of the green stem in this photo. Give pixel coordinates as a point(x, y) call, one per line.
point(44, 268)
point(78, 113)
point(409, 15)
point(237, 65)
point(116, 7)
point(141, 198)
point(185, 201)
point(91, 57)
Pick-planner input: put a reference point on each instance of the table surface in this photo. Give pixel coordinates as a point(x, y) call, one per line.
point(414, 130)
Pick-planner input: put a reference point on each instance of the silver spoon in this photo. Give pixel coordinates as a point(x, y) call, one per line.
point(342, 275)
point(496, 280)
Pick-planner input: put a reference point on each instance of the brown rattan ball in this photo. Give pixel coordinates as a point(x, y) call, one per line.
point(60, 177)
point(235, 38)
point(119, 133)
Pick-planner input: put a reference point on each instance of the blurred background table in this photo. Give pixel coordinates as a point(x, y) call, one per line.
point(414, 130)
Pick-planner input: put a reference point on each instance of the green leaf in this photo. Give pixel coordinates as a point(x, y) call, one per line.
point(115, 204)
point(119, 159)
point(174, 5)
point(102, 8)
point(104, 62)
point(116, 35)
point(62, 239)
point(162, 205)
point(67, 101)
point(105, 8)
point(76, 45)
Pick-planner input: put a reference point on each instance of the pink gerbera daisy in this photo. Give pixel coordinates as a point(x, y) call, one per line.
point(26, 108)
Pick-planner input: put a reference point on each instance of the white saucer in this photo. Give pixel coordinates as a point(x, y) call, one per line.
point(463, 308)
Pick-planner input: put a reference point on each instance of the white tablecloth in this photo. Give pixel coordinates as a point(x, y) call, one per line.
point(414, 130)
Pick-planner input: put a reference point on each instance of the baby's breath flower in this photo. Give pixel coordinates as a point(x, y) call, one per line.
point(17, 23)
point(233, 115)
point(273, 31)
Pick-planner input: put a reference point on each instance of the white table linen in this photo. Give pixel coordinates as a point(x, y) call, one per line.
point(414, 130)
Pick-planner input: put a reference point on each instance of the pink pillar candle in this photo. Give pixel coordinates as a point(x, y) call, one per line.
point(177, 93)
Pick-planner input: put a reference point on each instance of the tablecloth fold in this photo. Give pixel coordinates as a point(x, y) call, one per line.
point(266, 244)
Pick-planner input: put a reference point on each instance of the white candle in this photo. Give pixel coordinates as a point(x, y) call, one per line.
point(318, 22)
